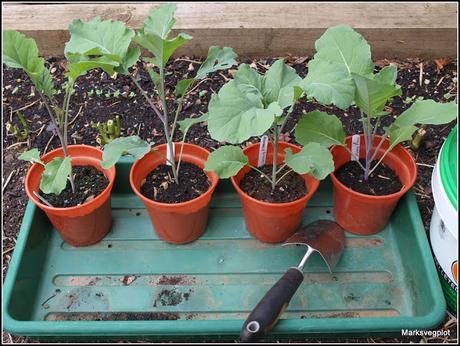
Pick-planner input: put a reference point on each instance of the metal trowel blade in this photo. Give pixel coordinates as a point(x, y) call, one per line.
point(324, 236)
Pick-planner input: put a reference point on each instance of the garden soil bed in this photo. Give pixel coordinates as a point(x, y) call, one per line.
point(99, 98)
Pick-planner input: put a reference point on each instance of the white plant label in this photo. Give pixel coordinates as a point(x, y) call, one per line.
point(263, 150)
point(355, 143)
point(169, 155)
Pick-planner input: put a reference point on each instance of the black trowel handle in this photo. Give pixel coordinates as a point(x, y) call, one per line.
point(270, 308)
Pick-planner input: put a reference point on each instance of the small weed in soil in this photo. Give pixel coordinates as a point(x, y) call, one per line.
point(159, 185)
point(383, 181)
point(291, 188)
point(89, 183)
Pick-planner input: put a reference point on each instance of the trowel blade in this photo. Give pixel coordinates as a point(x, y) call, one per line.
point(324, 236)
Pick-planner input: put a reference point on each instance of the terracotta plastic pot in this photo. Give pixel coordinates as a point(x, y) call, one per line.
point(177, 223)
point(272, 222)
point(84, 224)
point(365, 214)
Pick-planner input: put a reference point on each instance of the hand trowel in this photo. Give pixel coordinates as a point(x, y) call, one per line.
point(322, 236)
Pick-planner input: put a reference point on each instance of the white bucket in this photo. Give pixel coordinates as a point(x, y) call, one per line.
point(444, 235)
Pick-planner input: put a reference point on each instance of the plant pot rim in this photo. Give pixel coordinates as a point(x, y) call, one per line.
point(398, 194)
point(211, 175)
point(45, 207)
point(307, 196)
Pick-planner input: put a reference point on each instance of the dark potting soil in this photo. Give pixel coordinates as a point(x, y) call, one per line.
point(89, 183)
point(290, 188)
point(160, 186)
point(383, 181)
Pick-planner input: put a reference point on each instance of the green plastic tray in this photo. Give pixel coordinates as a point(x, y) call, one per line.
point(383, 283)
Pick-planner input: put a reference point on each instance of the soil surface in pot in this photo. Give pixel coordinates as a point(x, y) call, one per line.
point(160, 186)
point(290, 188)
point(383, 181)
point(89, 183)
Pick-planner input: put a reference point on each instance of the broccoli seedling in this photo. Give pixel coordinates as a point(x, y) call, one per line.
point(86, 50)
point(153, 36)
point(342, 70)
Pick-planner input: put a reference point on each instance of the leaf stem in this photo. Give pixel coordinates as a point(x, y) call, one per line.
point(150, 102)
point(161, 154)
point(377, 148)
point(281, 168)
point(354, 156)
point(53, 121)
point(258, 170)
point(283, 176)
point(381, 159)
point(178, 110)
point(68, 93)
point(42, 199)
point(275, 155)
point(368, 140)
point(169, 139)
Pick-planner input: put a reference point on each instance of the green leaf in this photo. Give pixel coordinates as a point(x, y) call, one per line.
point(235, 116)
point(218, 59)
point(387, 75)
point(182, 86)
point(278, 84)
point(132, 145)
point(54, 178)
point(248, 76)
point(298, 92)
point(156, 79)
point(79, 68)
point(372, 95)
point(329, 83)
point(319, 127)
point(249, 82)
point(226, 161)
point(22, 52)
point(100, 44)
point(154, 34)
point(187, 123)
point(345, 47)
point(428, 112)
point(131, 58)
point(162, 49)
point(313, 159)
point(341, 51)
point(99, 37)
point(32, 155)
point(400, 134)
point(160, 20)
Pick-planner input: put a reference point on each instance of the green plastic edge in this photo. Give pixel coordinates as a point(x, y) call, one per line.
point(320, 326)
point(449, 166)
point(449, 294)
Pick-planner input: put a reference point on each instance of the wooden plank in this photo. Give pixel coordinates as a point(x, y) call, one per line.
point(426, 30)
